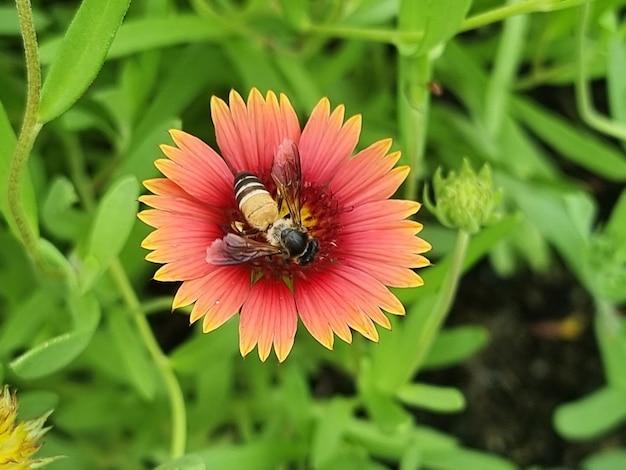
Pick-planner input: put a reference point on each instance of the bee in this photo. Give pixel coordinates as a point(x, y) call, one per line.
point(284, 236)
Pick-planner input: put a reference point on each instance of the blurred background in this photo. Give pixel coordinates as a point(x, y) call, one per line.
point(529, 369)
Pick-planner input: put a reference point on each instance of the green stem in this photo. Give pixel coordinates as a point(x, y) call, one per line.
point(414, 75)
point(583, 97)
point(530, 6)
point(29, 130)
point(177, 402)
point(390, 36)
point(136, 309)
point(505, 65)
point(445, 298)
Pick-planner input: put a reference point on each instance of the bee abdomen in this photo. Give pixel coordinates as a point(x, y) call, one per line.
point(255, 201)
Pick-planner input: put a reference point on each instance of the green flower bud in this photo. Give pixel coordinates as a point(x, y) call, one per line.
point(465, 201)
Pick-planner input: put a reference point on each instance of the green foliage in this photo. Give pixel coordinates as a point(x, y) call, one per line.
point(81, 54)
point(75, 334)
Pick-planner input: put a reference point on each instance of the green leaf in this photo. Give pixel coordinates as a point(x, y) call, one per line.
point(455, 345)
point(191, 355)
point(177, 90)
point(254, 456)
point(438, 21)
point(432, 397)
point(611, 334)
point(58, 214)
point(466, 459)
point(605, 460)
point(80, 55)
point(34, 404)
point(56, 353)
point(384, 409)
point(616, 71)
point(133, 354)
point(113, 223)
point(296, 13)
point(350, 459)
point(329, 429)
point(564, 215)
point(255, 65)
point(186, 462)
point(138, 35)
point(25, 319)
point(592, 415)
point(575, 144)
point(57, 264)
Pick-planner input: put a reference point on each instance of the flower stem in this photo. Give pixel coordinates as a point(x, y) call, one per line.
point(529, 6)
point(413, 107)
point(177, 403)
point(135, 308)
point(445, 297)
point(583, 98)
point(414, 74)
point(28, 132)
point(504, 68)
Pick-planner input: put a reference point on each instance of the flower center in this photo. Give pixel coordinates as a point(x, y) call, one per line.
point(319, 221)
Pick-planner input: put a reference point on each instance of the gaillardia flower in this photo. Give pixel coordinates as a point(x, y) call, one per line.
point(19, 441)
point(286, 223)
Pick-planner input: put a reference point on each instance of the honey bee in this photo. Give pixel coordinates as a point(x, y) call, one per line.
point(283, 236)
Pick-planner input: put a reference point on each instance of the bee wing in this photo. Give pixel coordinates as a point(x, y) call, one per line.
point(235, 249)
point(287, 175)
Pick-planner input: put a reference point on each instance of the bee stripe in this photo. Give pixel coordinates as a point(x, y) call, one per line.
point(246, 186)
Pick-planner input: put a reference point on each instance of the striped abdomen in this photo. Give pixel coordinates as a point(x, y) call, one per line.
point(255, 201)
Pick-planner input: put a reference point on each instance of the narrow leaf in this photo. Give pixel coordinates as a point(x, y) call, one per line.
point(616, 71)
point(432, 397)
point(577, 145)
point(138, 35)
point(56, 353)
point(114, 220)
point(187, 462)
point(329, 429)
point(80, 55)
point(466, 459)
point(606, 460)
point(455, 345)
point(592, 415)
point(134, 356)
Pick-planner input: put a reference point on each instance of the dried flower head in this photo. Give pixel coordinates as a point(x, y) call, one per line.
point(19, 441)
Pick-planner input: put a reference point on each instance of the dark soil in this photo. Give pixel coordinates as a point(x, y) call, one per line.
point(514, 385)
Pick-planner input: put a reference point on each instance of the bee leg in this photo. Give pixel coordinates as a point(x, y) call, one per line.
point(239, 228)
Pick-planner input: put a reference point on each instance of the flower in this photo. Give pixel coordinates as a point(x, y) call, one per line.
point(365, 243)
point(18, 441)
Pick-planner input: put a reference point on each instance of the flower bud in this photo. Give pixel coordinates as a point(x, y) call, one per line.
point(464, 201)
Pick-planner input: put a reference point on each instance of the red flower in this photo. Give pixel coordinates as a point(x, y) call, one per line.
point(362, 240)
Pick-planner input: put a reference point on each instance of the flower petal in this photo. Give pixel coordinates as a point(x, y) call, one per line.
point(249, 135)
point(376, 178)
point(326, 142)
point(268, 317)
point(218, 295)
point(192, 165)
